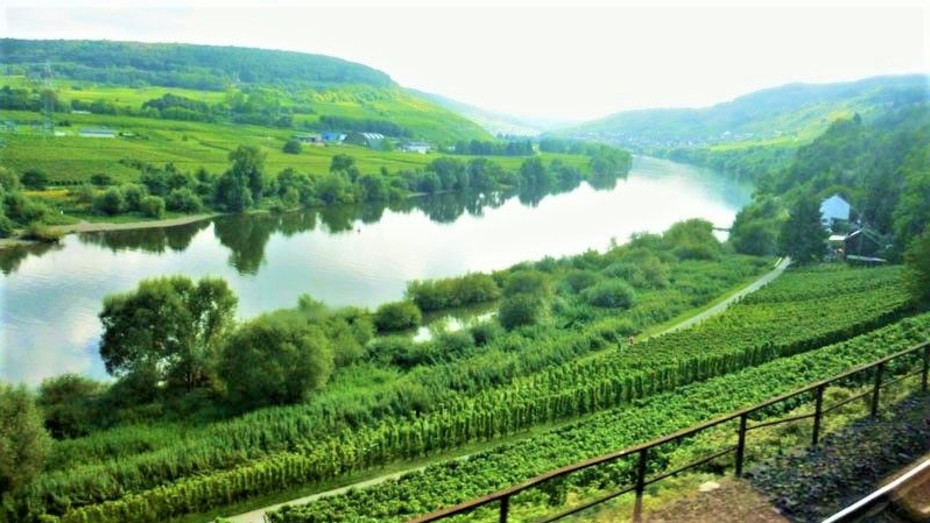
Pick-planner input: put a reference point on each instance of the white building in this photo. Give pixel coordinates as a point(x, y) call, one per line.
point(834, 209)
point(415, 147)
point(92, 132)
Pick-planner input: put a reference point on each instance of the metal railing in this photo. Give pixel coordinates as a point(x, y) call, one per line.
point(641, 452)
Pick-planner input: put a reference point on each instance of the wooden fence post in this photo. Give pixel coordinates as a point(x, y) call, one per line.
point(741, 445)
point(878, 385)
point(640, 485)
point(505, 508)
point(926, 357)
point(818, 412)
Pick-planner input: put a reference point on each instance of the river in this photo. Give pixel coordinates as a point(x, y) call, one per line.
point(347, 255)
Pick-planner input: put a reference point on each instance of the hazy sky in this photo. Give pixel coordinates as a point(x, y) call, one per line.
point(554, 60)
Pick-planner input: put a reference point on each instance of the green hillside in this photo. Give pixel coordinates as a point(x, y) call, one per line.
point(281, 89)
point(782, 114)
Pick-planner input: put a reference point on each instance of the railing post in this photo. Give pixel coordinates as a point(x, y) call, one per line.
point(818, 412)
point(741, 445)
point(878, 385)
point(640, 485)
point(505, 508)
point(923, 383)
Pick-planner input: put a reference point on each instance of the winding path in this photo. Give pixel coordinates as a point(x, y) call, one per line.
point(258, 515)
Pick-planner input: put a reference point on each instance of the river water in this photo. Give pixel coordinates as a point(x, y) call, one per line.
point(347, 255)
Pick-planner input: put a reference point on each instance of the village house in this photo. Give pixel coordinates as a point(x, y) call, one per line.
point(97, 132)
point(834, 211)
point(307, 138)
point(333, 137)
point(415, 147)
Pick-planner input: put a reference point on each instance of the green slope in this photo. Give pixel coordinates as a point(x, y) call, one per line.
point(222, 84)
point(781, 114)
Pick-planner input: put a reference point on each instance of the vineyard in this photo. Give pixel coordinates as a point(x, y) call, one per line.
point(275, 449)
point(453, 482)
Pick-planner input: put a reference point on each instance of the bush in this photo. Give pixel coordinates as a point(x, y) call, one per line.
point(34, 179)
point(101, 180)
point(485, 332)
point(274, 359)
point(527, 282)
point(292, 147)
point(612, 294)
point(398, 315)
point(520, 310)
point(6, 225)
point(579, 280)
point(24, 443)
point(68, 404)
point(152, 206)
point(133, 193)
point(453, 344)
point(42, 233)
point(446, 293)
point(184, 200)
point(110, 202)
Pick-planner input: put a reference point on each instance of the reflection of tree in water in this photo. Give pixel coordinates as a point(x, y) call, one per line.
point(12, 257)
point(246, 236)
point(297, 222)
point(155, 239)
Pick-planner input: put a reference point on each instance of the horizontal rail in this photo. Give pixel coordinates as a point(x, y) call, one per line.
point(692, 465)
point(588, 504)
point(508, 492)
point(779, 421)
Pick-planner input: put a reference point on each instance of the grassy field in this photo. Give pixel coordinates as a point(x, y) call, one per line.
point(189, 145)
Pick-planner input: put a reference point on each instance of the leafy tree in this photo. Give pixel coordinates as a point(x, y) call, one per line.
point(35, 179)
point(68, 404)
point(802, 235)
point(133, 193)
point(612, 294)
point(527, 282)
point(918, 263)
point(519, 310)
point(184, 200)
point(110, 202)
point(152, 206)
point(101, 180)
point(243, 184)
point(8, 180)
point(292, 147)
point(398, 315)
point(24, 443)
point(168, 329)
point(274, 359)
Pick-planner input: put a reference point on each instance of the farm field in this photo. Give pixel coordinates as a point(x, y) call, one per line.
point(610, 378)
point(190, 146)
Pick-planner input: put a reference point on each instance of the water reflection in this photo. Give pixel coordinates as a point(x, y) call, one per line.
point(247, 235)
point(360, 255)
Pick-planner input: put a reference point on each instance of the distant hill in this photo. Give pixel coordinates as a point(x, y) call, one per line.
point(494, 122)
point(239, 85)
point(792, 111)
point(184, 65)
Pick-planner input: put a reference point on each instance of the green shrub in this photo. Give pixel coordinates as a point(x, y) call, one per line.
point(292, 147)
point(398, 315)
point(42, 233)
point(485, 332)
point(579, 280)
point(612, 294)
point(184, 200)
point(110, 202)
point(133, 193)
point(152, 206)
point(34, 179)
point(520, 310)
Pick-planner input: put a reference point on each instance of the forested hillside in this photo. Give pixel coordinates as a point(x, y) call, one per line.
point(788, 112)
point(280, 89)
point(881, 165)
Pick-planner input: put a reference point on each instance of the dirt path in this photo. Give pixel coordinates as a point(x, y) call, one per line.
point(762, 281)
point(258, 515)
point(168, 222)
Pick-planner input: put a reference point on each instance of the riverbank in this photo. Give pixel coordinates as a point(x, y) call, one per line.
point(85, 226)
